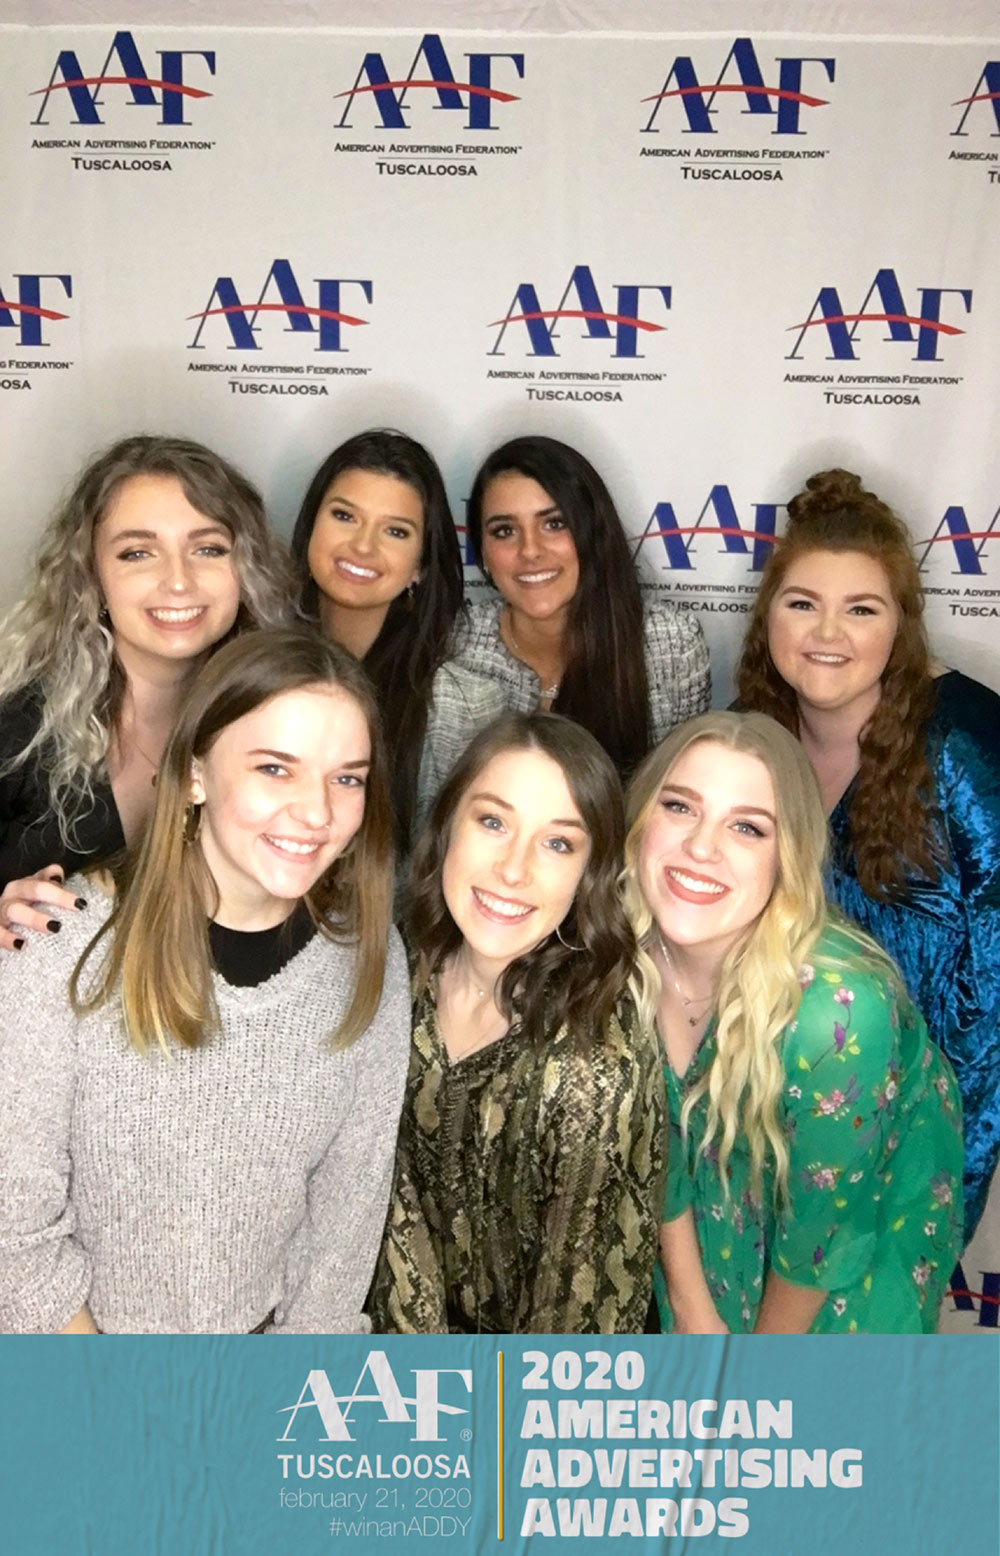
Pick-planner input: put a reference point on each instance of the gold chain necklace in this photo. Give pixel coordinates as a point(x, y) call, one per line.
point(549, 693)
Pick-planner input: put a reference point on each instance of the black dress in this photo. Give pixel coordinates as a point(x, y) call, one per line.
point(29, 833)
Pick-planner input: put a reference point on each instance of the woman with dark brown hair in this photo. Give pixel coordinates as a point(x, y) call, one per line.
point(196, 1136)
point(907, 755)
point(528, 1172)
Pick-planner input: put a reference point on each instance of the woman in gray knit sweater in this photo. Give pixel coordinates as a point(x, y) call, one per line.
point(201, 1075)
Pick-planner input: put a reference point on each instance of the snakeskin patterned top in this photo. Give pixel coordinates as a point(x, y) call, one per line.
point(526, 1197)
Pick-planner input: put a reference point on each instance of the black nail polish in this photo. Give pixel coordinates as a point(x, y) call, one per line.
point(18, 945)
point(81, 902)
point(53, 926)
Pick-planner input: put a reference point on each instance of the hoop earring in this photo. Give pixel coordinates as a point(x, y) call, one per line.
point(191, 825)
point(566, 942)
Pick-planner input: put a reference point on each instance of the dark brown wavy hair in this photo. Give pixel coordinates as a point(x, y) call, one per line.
point(577, 983)
point(894, 827)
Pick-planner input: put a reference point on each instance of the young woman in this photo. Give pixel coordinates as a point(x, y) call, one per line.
point(528, 1175)
point(908, 761)
point(570, 631)
point(816, 1151)
point(380, 570)
point(159, 553)
point(198, 1136)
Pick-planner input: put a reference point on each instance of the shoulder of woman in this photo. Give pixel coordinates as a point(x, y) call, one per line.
point(841, 971)
point(457, 687)
point(20, 716)
point(475, 624)
point(666, 625)
point(966, 708)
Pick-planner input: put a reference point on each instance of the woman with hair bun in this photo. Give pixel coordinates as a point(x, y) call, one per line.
point(529, 1166)
point(815, 1159)
point(160, 553)
point(570, 632)
point(380, 570)
point(907, 755)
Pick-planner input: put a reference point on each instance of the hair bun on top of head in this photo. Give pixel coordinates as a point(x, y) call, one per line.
point(838, 493)
point(826, 491)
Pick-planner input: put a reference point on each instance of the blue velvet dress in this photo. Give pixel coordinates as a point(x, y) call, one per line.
point(945, 937)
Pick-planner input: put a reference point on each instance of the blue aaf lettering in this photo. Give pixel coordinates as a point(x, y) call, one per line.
point(986, 90)
point(842, 327)
point(678, 539)
point(968, 544)
point(388, 95)
point(26, 315)
point(698, 101)
point(324, 321)
point(541, 323)
point(83, 91)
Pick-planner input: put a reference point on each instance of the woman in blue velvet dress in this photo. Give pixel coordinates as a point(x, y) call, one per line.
point(908, 761)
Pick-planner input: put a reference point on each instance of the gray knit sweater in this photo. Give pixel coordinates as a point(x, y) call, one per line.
point(193, 1193)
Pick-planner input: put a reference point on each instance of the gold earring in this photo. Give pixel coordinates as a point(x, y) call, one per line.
point(192, 822)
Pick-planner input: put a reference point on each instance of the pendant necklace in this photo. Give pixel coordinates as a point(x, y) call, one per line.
point(687, 1000)
point(548, 692)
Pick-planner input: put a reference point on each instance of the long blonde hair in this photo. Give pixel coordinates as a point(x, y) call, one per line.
point(759, 988)
point(157, 948)
point(53, 643)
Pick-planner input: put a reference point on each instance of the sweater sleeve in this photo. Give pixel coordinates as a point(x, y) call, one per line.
point(605, 1140)
point(45, 1273)
point(677, 668)
point(332, 1255)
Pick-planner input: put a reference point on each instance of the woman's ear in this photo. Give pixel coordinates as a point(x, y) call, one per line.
point(196, 789)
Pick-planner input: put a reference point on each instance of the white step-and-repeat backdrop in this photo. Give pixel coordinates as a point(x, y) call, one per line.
point(719, 250)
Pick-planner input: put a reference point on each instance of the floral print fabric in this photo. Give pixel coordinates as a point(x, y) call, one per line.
point(871, 1113)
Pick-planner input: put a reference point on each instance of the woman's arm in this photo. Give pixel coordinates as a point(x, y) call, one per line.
point(691, 1303)
point(787, 1309)
point(604, 1143)
point(34, 903)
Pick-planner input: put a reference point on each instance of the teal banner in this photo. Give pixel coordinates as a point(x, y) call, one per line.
point(383, 1446)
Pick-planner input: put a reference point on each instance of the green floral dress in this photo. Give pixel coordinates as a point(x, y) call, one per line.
point(872, 1116)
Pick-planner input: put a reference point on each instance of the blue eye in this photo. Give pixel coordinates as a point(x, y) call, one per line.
point(213, 550)
point(560, 845)
point(273, 769)
point(748, 829)
point(491, 823)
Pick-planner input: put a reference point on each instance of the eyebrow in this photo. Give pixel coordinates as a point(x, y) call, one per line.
point(850, 599)
point(150, 534)
point(287, 757)
point(394, 518)
point(557, 821)
point(734, 810)
point(537, 513)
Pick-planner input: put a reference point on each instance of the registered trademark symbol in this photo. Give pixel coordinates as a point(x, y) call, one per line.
point(465, 1434)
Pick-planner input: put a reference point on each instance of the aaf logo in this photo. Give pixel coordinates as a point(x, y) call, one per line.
point(430, 71)
point(27, 314)
point(924, 327)
point(968, 544)
point(620, 324)
point(376, 1385)
point(83, 90)
point(281, 293)
point(718, 516)
point(986, 90)
point(780, 106)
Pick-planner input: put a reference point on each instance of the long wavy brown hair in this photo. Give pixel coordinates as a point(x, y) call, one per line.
point(573, 981)
point(894, 828)
point(156, 955)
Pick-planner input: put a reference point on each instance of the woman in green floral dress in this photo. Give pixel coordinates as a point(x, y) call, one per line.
point(815, 1165)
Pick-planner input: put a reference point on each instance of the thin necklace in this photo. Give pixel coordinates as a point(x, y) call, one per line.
point(551, 692)
point(687, 1000)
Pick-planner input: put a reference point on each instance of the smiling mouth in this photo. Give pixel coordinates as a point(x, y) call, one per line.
point(695, 888)
point(534, 579)
point(180, 616)
point(293, 848)
point(827, 659)
point(356, 571)
point(501, 908)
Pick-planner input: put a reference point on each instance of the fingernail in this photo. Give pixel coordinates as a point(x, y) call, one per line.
point(18, 945)
point(53, 926)
point(81, 902)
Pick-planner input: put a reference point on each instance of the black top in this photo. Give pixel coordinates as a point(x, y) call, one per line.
point(29, 832)
point(246, 957)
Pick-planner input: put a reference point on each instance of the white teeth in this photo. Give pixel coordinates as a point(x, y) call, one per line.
point(710, 888)
point(188, 614)
point(501, 906)
point(356, 571)
point(288, 845)
point(828, 659)
point(535, 578)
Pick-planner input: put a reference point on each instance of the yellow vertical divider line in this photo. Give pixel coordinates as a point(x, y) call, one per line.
point(500, 1445)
